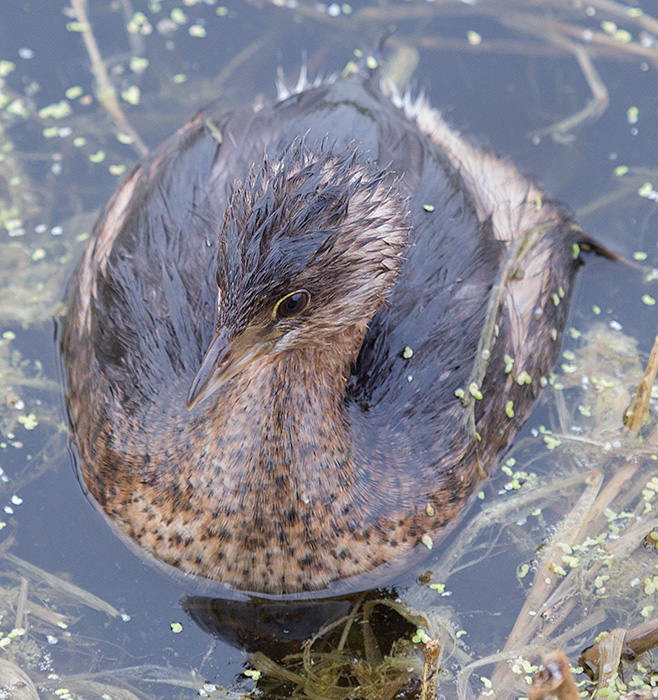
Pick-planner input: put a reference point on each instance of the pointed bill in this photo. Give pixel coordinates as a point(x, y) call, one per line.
point(225, 358)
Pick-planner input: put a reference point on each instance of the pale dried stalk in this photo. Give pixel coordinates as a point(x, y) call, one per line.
point(105, 92)
point(606, 657)
point(62, 586)
point(546, 578)
point(639, 409)
point(20, 605)
point(618, 481)
point(431, 654)
point(45, 614)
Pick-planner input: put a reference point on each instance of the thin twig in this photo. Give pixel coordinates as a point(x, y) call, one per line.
point(513, 264)
point(596, 106)
point(105, 92)
point(350, 620)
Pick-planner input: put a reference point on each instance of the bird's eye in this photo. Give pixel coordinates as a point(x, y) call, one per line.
point(291, 305)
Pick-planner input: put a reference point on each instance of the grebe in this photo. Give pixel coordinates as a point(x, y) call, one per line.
point(300, 336)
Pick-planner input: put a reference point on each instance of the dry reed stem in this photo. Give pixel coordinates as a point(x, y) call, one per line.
point(634, 642)
point(639, 409)
point(604, 659)
point(15, 684)
point(42, 613)
point(546, 579)
point(19, 620)
point(61, 586)
point(642, 638)
point(105, 92)
point(431, 654)
point(620, 479)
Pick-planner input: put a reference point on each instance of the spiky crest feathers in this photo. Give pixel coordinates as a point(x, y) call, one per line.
point(332, 223)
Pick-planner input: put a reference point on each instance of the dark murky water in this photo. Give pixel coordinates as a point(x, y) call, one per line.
point(493, 77)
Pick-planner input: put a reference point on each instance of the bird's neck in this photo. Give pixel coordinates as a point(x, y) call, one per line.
point(289, 413)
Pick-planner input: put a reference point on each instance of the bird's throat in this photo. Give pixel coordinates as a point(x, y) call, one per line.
point(284, 426)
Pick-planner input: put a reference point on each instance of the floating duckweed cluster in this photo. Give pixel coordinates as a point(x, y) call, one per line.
point(518, 477)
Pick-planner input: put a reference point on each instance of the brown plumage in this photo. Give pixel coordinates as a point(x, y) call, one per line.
point(268, 270)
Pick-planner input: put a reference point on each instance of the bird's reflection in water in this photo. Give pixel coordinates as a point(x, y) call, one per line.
point(275, 628)
point(338, 637)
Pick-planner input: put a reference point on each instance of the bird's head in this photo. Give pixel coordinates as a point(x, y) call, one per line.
point(309, 247)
